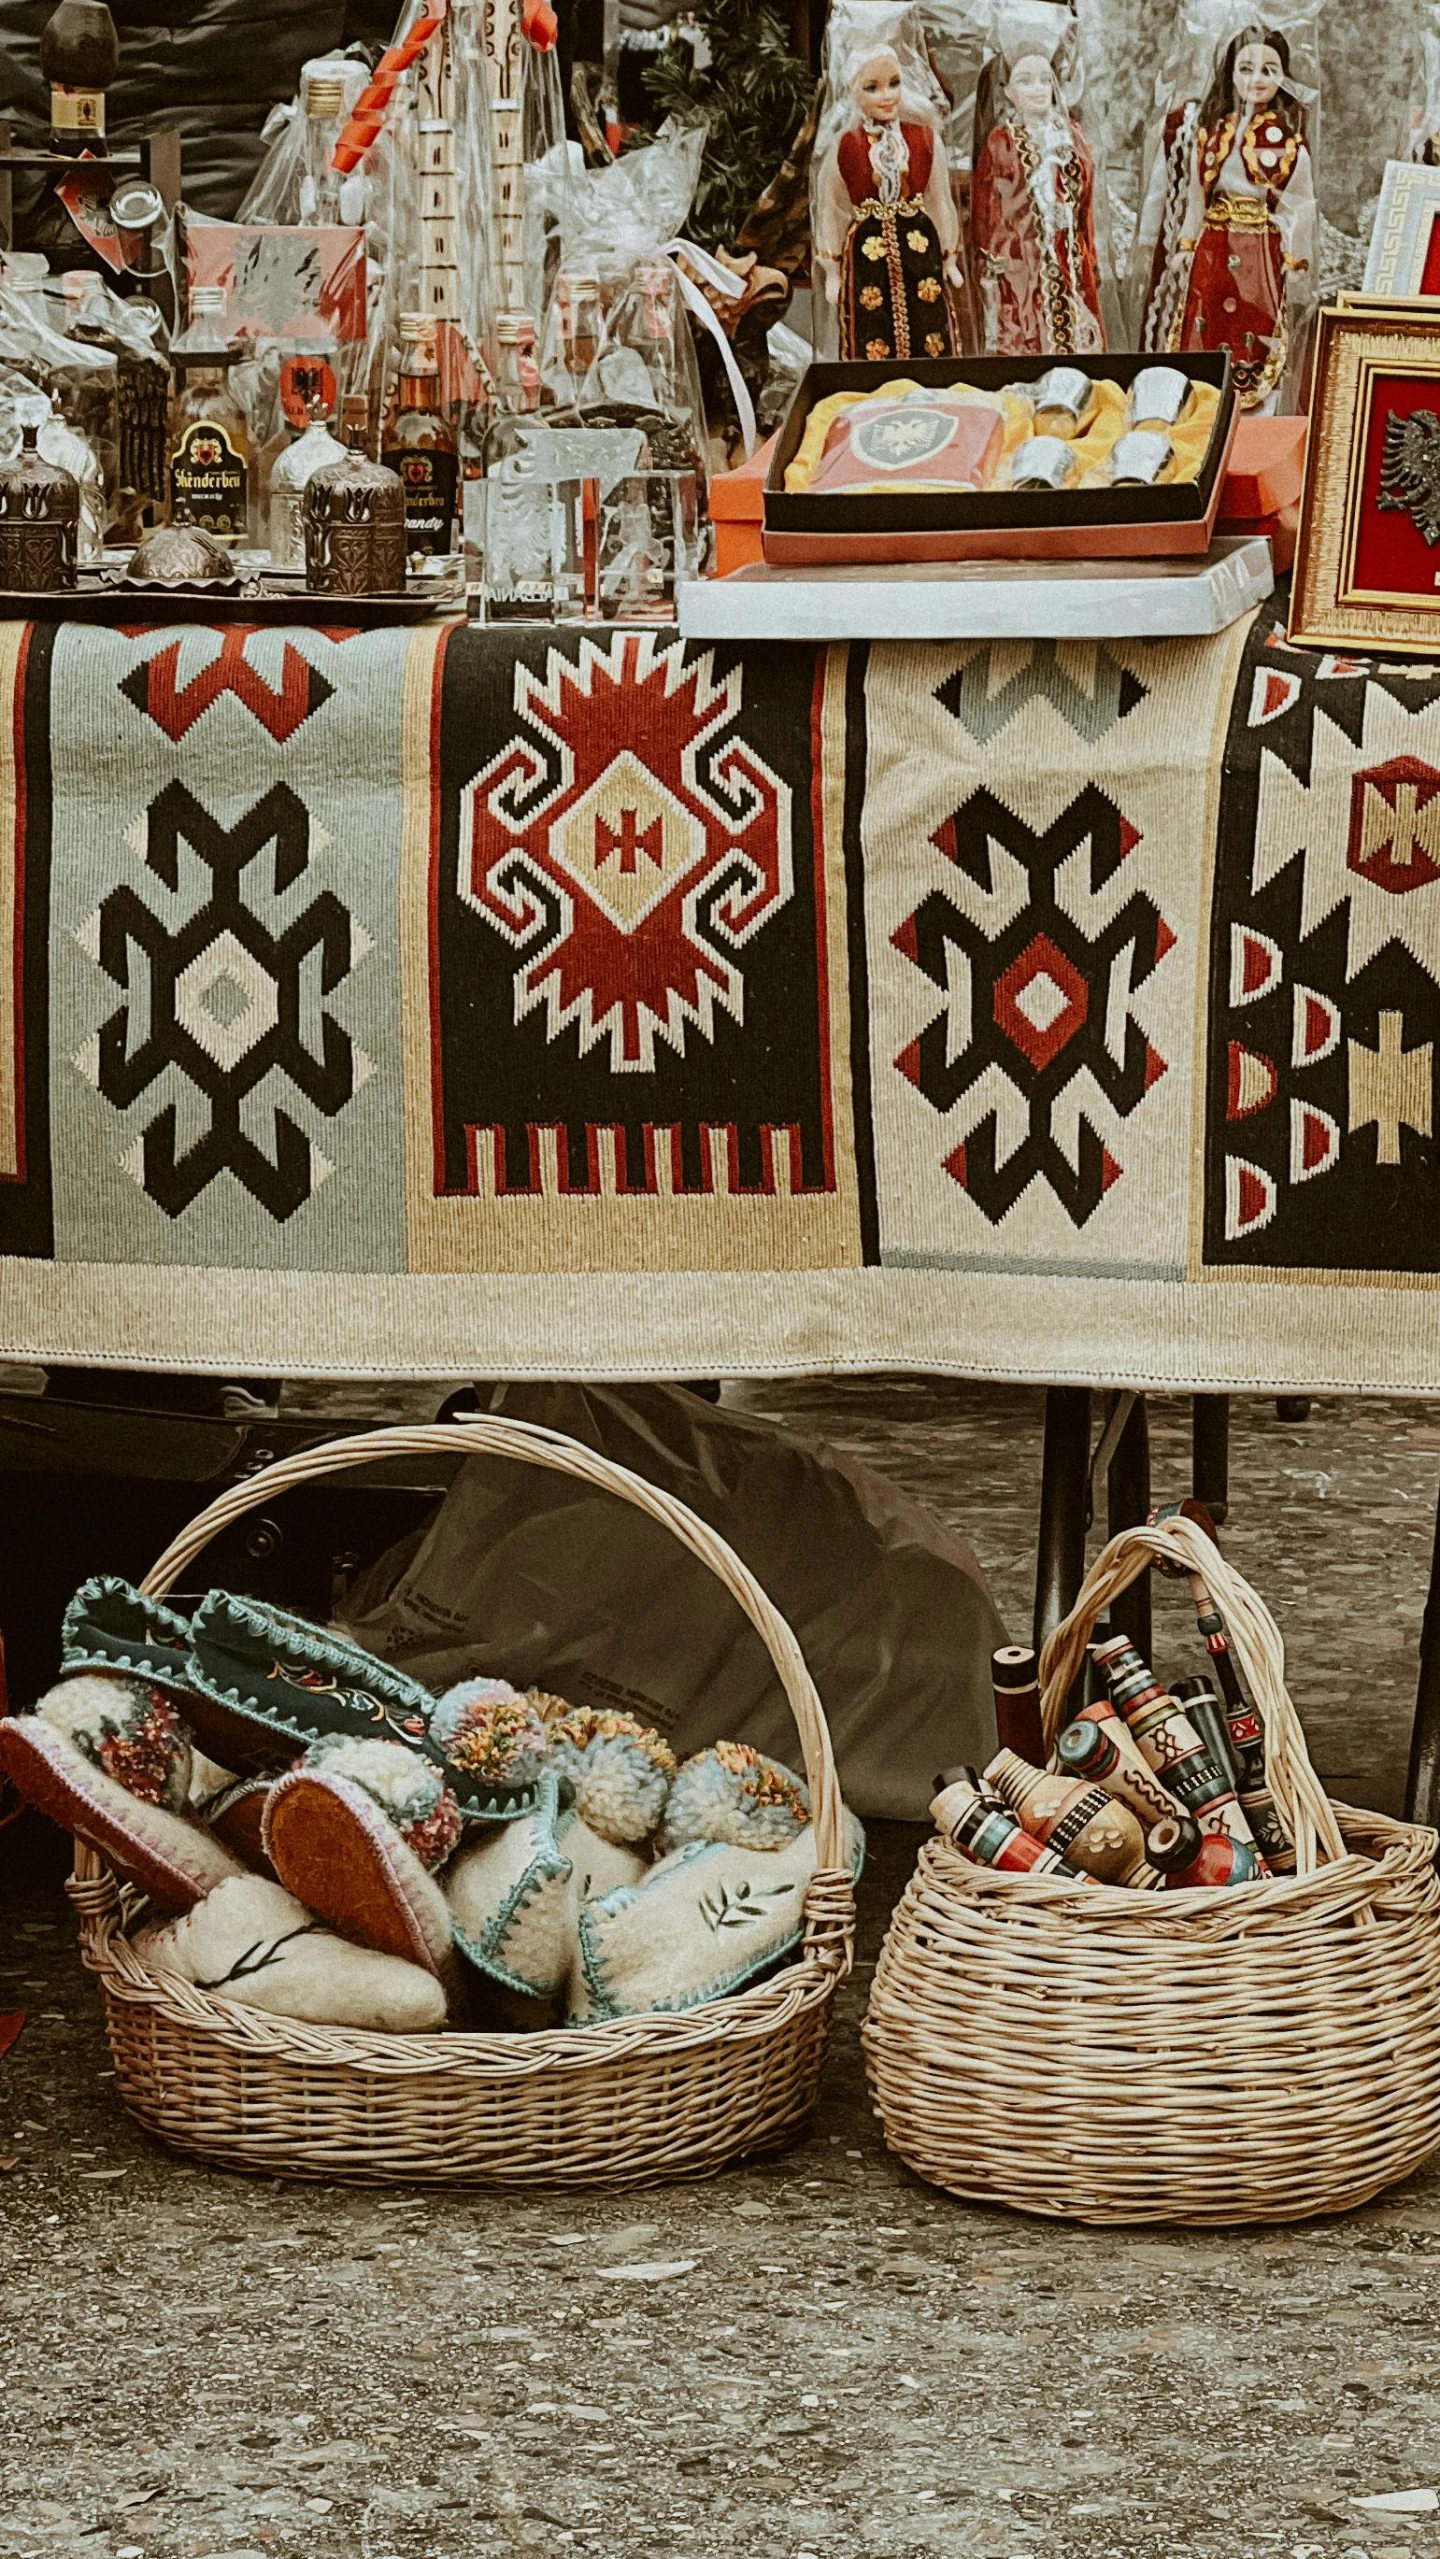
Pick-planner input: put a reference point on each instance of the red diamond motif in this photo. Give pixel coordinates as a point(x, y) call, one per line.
point(1041, 1002)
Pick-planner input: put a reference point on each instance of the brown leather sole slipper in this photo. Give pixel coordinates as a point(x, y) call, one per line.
point(176, 1861)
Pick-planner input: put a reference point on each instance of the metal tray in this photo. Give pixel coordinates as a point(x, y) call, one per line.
point(98, 600)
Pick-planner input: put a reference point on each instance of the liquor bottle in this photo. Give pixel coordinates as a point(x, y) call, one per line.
point(989, 1834)
point(421, 448)
point(209, 438)
point(323, 93)
point(581, 321)
point(517, 367)
point(1179, 1756)
point(1015, 1681)
point(142, 388)
point(79, 56)
point(1085, 1823)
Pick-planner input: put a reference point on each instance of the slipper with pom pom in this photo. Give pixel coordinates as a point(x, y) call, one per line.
point(61, 1768)
point(354, 1833)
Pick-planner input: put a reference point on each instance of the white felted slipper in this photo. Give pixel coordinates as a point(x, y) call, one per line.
point(253, 1942)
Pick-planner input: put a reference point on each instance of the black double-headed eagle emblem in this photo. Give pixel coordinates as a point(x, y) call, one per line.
point(1410, 470)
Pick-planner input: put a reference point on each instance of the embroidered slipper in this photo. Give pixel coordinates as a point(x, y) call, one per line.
point(514, 1892)
point(354, 1838)
point(236, 1815)
point(253, 1942)
point(111, 1626)
point(264, 1685)
point(173, 1859)
point(128, 1728)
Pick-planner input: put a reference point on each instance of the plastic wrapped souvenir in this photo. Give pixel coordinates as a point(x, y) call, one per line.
point(887, 234)
point(1033, 196)
point(1226, 242)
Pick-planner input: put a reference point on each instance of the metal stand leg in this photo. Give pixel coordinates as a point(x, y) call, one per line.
point(1422, 1784)
point(1127, 1504)
point(1210, 1453)
point(1064, 1496)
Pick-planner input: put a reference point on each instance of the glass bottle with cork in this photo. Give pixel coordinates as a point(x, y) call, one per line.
point(79, 56)
point(209, 436)
point(323, 91)
point(421, 445)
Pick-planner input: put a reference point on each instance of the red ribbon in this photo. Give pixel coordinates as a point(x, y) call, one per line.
point(371, 107)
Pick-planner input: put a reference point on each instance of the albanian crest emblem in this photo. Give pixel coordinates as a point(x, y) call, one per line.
point(1410, 470)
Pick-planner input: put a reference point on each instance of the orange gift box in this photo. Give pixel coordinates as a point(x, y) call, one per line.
point(1261, 493)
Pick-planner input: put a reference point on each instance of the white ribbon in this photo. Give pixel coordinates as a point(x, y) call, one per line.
point(724, 280)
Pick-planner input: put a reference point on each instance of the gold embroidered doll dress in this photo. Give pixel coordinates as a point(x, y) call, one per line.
point(887, 215)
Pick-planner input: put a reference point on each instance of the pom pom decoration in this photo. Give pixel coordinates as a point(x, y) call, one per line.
point(409, 1790)
point(127, 1728)
point(619, 1771)
point(734, 1793)
point(172, 1858)
point(492, 1734)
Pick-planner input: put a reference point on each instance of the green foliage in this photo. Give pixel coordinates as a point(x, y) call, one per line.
point(751, 96)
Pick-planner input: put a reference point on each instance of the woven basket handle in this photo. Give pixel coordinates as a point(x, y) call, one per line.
point(1255, 1640)
point(535, 1446)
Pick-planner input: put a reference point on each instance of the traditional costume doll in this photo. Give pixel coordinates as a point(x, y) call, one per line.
point(1250, 219)
point(1032, 222)
point(886, 229)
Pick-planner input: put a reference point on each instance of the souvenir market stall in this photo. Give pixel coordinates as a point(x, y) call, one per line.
point(457, 934)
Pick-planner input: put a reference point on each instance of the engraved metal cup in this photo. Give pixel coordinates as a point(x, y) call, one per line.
point(39, 521)
point(355, 529)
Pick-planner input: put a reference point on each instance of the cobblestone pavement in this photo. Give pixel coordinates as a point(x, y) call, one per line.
point(200, 2366)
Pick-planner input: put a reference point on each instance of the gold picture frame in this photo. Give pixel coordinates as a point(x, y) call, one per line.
point(1367, 556)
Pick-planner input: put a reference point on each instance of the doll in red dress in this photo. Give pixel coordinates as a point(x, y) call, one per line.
point(1032, 222)
point(1250, 218)
point(886, 229)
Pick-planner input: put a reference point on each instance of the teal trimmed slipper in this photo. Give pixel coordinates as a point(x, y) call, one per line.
point(111, 1626)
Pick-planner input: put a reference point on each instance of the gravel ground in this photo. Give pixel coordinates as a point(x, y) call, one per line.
point(201, 2366)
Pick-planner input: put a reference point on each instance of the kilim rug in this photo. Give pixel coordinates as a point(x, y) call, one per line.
point(456, 1002)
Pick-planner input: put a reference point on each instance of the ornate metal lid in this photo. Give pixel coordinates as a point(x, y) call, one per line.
point(180, 555)
point(34, 490)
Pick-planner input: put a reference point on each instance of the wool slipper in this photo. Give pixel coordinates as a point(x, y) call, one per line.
point(236, 1814)
point(336, 1850)
point(111, 1626)
point(265, 1685)
point(253, 1942)
point(175, 1860)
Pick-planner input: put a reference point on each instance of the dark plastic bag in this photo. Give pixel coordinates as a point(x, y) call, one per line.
point(540, 1580)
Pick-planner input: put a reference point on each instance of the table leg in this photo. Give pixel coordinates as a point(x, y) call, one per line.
point(1210, 1453)
point(1127, 1505)
point(1422, 1784)
point(1064, 1500)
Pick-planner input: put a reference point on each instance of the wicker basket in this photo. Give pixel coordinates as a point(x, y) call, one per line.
point(621, 2104)
point(1253, 2054)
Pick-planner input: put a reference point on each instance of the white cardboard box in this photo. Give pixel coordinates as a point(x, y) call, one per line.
point(986, 599)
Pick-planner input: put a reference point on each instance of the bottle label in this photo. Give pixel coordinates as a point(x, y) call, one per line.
point(208, 481)
point(307, 389)
point(78, 111)
point(428, 478)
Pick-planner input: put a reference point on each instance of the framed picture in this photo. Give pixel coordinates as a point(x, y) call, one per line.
point(1404, 254)
point(1367, 560)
